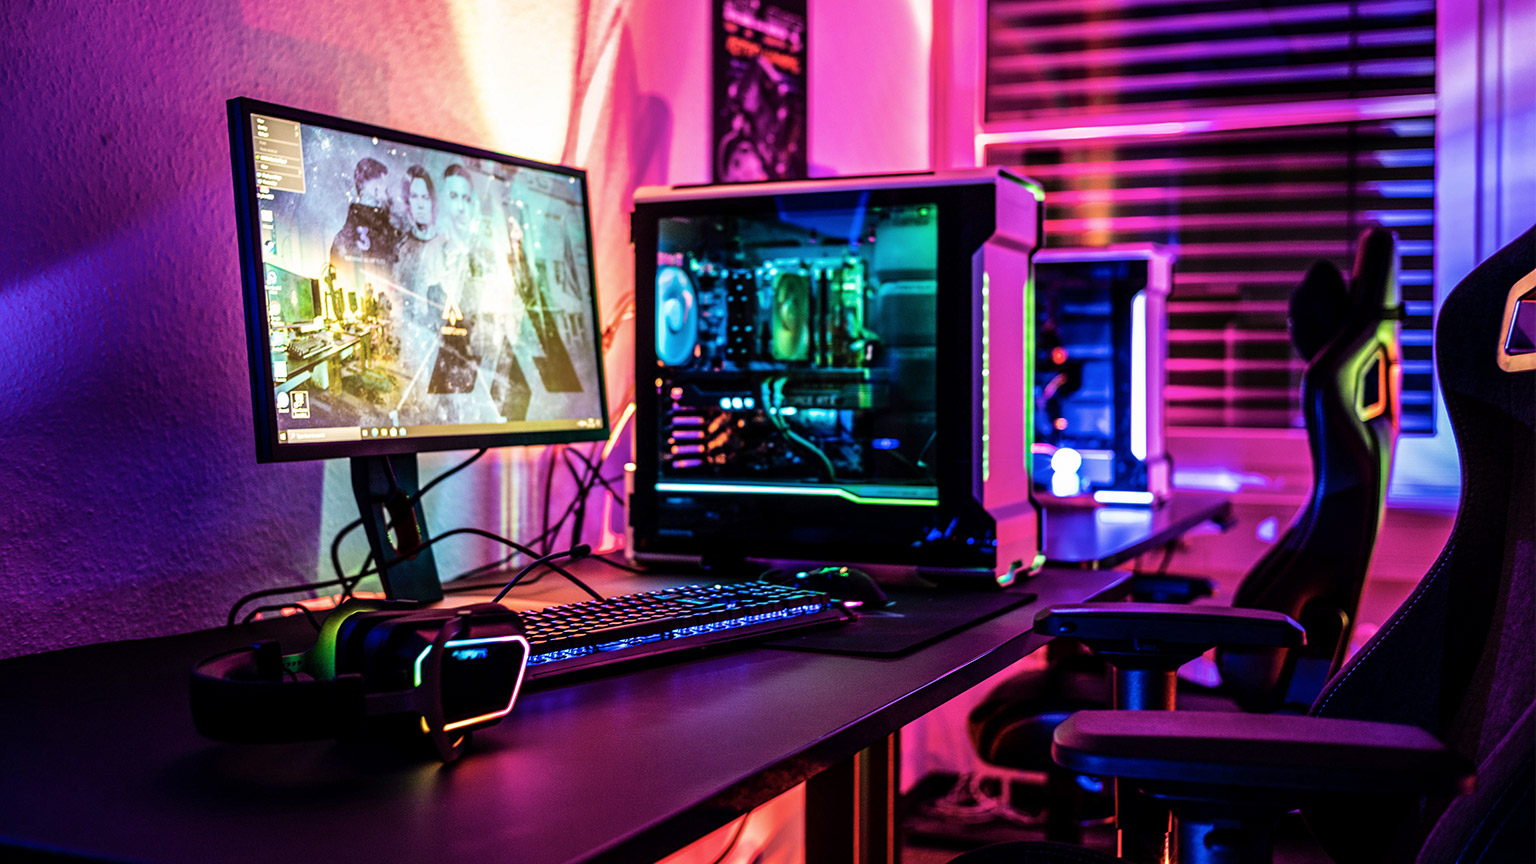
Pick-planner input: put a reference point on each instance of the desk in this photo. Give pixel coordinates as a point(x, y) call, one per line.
point(1104, 537)
point(99, 756)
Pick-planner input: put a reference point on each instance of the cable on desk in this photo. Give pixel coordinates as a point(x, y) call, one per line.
point(575, 511)
point(499, 539)
point(546, 539)
point(272, 592)
point(1169, 549)
point(616, 565)
point(350, 584)
point(741, 828)
point(278, 607)
point(453, 586)
point(580, 550)
point(624, 311)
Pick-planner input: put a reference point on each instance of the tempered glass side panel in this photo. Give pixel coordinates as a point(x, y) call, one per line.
point(796, 348)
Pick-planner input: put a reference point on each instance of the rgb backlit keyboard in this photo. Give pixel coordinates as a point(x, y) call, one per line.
point(577, 637)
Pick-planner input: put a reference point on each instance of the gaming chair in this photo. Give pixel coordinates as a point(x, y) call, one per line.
point(1314, 573)
point(1455, 661)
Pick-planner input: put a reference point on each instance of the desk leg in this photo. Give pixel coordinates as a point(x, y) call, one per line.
point(850, 808)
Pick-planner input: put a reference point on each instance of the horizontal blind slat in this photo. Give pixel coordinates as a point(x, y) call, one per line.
point(1305, 193)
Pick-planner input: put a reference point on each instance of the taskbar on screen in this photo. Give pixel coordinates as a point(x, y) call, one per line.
point(329, 435)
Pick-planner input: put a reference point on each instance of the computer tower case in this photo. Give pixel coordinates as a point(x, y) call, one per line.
point(837, 370)
point(1101, 328)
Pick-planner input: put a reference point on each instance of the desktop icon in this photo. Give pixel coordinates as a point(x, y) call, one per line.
point(300, 404)
point(282, 402)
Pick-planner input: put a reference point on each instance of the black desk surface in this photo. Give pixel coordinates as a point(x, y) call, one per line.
point(1104, 537)
point(98, 755)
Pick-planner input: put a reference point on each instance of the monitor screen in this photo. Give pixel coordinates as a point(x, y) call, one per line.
point(405, 294)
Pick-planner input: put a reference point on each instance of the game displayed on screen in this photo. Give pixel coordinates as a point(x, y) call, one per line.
point(413, 291)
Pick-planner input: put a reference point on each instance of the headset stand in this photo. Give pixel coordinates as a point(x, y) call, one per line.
point(384, 486)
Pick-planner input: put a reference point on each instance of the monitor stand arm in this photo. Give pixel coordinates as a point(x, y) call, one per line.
point(384, 487)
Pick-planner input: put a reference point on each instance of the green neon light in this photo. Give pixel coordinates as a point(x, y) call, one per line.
point(1035, 189)
point(823, 492)
point(320, 661)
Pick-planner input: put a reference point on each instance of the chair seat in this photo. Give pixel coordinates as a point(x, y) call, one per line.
point(1012, 726)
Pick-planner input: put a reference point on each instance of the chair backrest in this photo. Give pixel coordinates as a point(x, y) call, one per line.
point(1457, 659)
point(1349, 396)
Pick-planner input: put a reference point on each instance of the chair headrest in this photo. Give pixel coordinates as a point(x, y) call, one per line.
point(1373, 287)
point(1473, 334)
point(1324, 306)
point(1320, 307)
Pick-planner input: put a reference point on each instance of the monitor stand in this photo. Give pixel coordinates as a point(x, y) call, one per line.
point(384, 487)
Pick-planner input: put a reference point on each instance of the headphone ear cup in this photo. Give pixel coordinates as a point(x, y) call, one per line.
point(1319, 309)
point(349, 645)
point(240, 696)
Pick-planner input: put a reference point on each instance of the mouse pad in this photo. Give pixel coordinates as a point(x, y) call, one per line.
point(914, 618)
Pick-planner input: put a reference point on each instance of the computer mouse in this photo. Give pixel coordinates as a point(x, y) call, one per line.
point(843, 583)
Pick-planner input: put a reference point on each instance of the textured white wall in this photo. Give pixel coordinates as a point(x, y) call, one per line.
point(133, 504)
point(870, 68)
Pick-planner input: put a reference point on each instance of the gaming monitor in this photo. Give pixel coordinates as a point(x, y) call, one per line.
point(405, 295)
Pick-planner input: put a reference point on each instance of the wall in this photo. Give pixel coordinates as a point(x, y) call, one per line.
point(135, 506)
point(870, 77)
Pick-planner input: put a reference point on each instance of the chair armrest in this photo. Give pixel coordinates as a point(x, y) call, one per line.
point(1169, 588)
point(1157, 629)
point(1258, 751)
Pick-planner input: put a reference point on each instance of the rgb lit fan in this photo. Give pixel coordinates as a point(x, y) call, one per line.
point(791, 316)
point(677, 316)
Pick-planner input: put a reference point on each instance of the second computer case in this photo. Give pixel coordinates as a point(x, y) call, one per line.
point(837, 371)
point(1101, 342)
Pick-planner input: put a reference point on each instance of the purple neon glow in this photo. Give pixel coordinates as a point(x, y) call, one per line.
point(1111, 58)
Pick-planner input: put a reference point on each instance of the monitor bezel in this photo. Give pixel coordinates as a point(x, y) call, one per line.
point(258, 344)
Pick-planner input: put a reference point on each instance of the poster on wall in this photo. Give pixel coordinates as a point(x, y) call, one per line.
point(760, 104)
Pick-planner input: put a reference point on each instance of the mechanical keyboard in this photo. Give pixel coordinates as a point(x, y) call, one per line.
point(578, 637)
point(304, 346)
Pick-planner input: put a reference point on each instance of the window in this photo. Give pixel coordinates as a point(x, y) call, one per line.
point(1252, 138)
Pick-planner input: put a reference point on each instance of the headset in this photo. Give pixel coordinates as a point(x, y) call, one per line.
point(380, 670)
